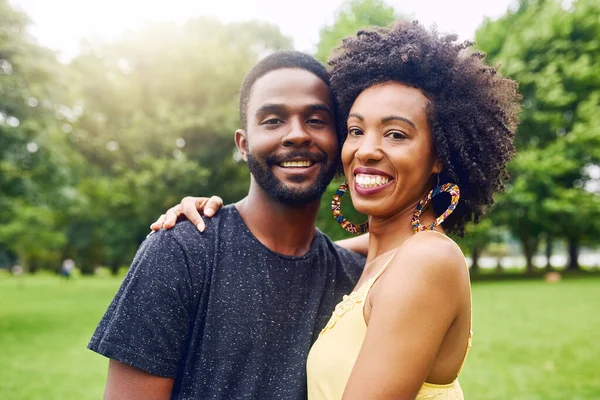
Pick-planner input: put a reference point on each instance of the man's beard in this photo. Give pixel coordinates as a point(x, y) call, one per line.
point(262, 171)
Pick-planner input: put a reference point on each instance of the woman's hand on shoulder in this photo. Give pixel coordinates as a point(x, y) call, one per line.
point(190, 208)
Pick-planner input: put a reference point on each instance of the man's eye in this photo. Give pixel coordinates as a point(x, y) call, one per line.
point(354, 131)
point(272, 121)
point(315, 121)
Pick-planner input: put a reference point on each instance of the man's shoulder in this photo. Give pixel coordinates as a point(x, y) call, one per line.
point(186, 235)
point(345, 256)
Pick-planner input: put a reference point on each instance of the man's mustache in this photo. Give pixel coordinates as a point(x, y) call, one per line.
point(315, 157)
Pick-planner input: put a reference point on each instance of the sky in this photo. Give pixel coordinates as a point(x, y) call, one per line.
point(63, 24)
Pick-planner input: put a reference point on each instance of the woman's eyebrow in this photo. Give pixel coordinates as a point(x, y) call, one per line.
point(398, 118)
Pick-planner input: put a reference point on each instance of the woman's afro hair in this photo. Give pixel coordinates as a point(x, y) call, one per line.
point(473, 110)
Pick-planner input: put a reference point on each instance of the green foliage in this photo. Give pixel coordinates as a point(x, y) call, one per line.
point(93, 151)
point(100, 147)
point(325, 221)
point(554, 54)
point(32, 173)
point(33, 235)
point(25, 107)
point(352, 16)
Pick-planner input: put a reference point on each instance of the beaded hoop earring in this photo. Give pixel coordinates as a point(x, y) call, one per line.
point(447, 187)
point(339, 217)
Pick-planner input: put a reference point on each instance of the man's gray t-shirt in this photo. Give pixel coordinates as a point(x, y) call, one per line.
point(222, 314)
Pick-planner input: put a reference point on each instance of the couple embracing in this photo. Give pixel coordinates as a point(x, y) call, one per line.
point(261, 304)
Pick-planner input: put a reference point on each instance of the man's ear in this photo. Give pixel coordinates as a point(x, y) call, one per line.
point(241, 142)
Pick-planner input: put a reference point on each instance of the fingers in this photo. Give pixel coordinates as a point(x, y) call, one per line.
point(213, 204)
point(156, 225)
point(190, 207)
point(171, 216)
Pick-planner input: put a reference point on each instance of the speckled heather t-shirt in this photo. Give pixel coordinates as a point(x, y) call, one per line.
point(223, 315)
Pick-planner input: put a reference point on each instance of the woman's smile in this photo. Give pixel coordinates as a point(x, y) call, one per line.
point(370, 181)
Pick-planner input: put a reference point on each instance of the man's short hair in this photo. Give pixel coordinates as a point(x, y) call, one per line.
point(278, 60)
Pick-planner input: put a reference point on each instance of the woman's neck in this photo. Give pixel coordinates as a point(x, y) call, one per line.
point(387, 233)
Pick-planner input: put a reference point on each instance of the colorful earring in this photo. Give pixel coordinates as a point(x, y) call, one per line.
point(337, 213)
point(447, 187)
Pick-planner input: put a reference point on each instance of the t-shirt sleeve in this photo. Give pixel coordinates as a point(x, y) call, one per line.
point(148, 322)
point(352, 263)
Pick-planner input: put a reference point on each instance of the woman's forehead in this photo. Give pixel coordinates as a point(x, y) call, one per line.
point(390, 99)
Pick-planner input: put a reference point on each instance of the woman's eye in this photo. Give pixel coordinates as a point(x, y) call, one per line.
point(354, 131)
point(396, 135)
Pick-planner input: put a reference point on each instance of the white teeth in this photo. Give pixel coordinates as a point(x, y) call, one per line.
point(296, 164)
point(370, 181)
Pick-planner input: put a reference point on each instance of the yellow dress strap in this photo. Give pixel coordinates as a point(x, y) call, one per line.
point(382, 270)
point(373, 279)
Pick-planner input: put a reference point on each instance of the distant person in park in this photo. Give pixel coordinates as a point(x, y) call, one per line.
point(16, 270)
point(231, 313)
point(430, 129)
point(67, 268)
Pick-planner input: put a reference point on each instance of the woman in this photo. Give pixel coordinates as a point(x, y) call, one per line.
point(424, 117)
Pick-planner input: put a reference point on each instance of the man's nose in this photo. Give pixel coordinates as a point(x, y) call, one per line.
point(297, 135)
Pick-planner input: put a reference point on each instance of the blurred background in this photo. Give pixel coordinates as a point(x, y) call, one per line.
point(112, 111)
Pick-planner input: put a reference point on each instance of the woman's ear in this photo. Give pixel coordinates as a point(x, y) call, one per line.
point(437, 167)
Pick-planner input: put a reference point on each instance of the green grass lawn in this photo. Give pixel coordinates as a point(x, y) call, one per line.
point(532, 340)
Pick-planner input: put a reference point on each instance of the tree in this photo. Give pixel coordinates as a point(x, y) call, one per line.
point(553, 52)
point(33, 237)
point(477, 238)
point(352, 16)
point(153, 115)
point(32, 173)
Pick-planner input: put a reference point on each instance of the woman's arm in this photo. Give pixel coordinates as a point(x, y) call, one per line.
point(358, 244)
point(413, 306)
point(192, 207)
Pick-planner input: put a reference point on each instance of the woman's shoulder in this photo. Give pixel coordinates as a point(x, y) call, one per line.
point(429, 257)
point(435, 247)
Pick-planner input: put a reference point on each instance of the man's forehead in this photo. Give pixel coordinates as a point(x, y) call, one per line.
point(289, 87)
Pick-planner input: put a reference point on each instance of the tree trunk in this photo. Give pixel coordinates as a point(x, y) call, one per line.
point(549, 251)
point(573, 254)
point(529, 246)
point(499, 268)
point(114, 268)
point(475, 253)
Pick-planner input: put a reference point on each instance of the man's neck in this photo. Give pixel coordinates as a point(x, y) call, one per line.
point(287, 230)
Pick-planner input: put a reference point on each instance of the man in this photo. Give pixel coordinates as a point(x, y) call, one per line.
point(231, 313)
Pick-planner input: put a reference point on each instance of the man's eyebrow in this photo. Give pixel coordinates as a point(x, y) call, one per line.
point(270, 108)
point(320, 107)
point(280, 108)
